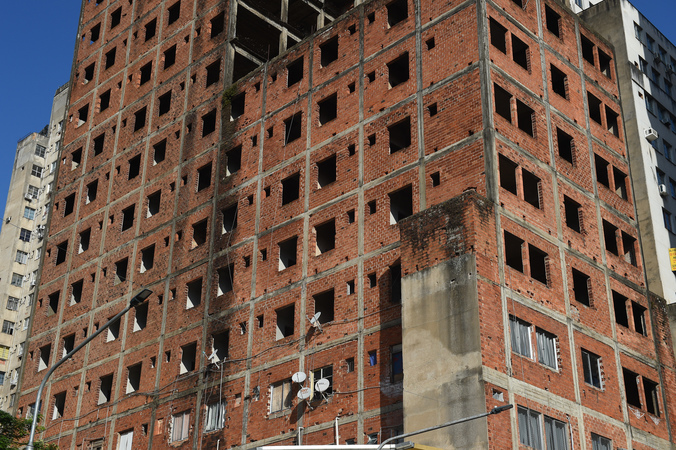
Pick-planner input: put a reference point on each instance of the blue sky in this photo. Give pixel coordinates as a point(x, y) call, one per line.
point(38, 38)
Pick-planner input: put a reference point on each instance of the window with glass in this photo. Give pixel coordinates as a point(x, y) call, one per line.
point(21, 257)
point(33, 191)
point(29, 213)
point(25, 235)
point(40, 151)
point(7, 327)
point(666, 215)
point(215, 417)
point(180, 426)
point(12, 303)
point(17, 280)
point(591, 366)
point(601, 443)
point(520, 337)
point(546, 343)
point(36, 171)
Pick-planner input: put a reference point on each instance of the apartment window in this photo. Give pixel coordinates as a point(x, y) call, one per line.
point(328, 109)
point(326, 373)
point(76, 292)
point(599, 442)
point(513, 251)
point(285, 322)
point(525, 117)
point(666, 215)
point(587, 49)
point(59, 405)
point(629, 249)
point(605, 63)
point(546, 345)
point(591, 367)
point(164, 101)
point(620, 179)
point(92, 191)
point(503, 102)
point(151, 29)
point(610, 237)
point(7, 327)
point(37, 171)
point(133, 378)
point(530, 428)
point(17, 280)
point(324, 304)
point(147, 258)
point(326, 171)
point(292, 128)
point(128, 217)
point(140, 119)
point(531, 188)
point(110, 58)
point(21, 257)
point(209, 123)
point(612, 122)
point(538, 264)
point(12, 303)
point(651, 397)
point(620, 307)
point(639, 312)
point(280, 396)
point(194, 297)
point(113, 331)
point(98, 143)
point(174, 12)
point(581, 287)
point(329, 51)
point(397, 11)
point(229, 215)
point(203, 177)
point(559, 82)
point(398, 70)
point(295, 71)
point(325, 237)
point(115, 18)
point(401, 204)
point(213, 75)
point(45, 352)
point(220, 344)
point(121, 270)
point(217, 25)
point(105, 389)
point(95, 33)
point(553, 20)
point(631, 388)
point(520, 53)
point(85, 236)
point(237, 106)
point(140, 317)
point(154, 203)
point(400, 135)
point(287, 253)
point(40, 151)
point(33, 192)
point(573, 212)
point(61, 251)
point(498, 35)
point(215, 416)
point(233, 160)
point(199, 233)
point(180, 426)
point(159, 152)
point(520, 337)
point(188, 357)
point(397, 363)
point(225, 276)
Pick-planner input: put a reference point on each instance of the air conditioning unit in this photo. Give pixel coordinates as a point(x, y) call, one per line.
point(650, 134)
point(657, 58)
point(8, 219)
point(28, 197)
point(663, 190)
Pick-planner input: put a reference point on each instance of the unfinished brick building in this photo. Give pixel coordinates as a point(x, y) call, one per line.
point(443, 180)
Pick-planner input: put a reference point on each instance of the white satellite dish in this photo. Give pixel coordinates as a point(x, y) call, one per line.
point(304, 393)
point(315, 319)
point(322, 384)
point(298, 377)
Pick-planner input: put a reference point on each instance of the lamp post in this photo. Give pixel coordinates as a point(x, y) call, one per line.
point(496, 410)
point(135, 301)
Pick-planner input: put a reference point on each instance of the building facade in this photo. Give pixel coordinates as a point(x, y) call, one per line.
point(356, 220)
point(21, 242)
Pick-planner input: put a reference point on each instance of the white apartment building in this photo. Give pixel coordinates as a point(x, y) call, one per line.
point(645, 71)
point(21, 242)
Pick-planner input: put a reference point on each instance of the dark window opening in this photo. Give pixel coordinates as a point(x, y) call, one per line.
point(188, 357)
point(565, 144)
point(76, 292)
point(508, 174)
point(76, 159)
point(395, 283)
point(295, 72)
point(397, 11)
point(498, 35)
point(324, 304)
point(165, 103)
point(141, 317)
point(169, 57)
point(325, 235)
point(98, 144)
point(151, 29)
point(82, 115)
point(134, 167)
point(629, 248)
point(526, 117)
point(371, 206)
point(115, 18)
point(513, 249)
point(213, 75)
point(553, 20)
point(502, 103)
point(229, 218)
point(651, 402)
point(594, 108)
point(559, 82)
point(194, 297)
point(95, 33)
point(631, 388)
point(154, 203)
point(146, 72)
point(203, 177)
point(237, 105)
point(620, 306)
point(61, 251)
point(199, 233)
point(53, 305)
point(209, 123)
point(174, 12)
point(233, 160)
point(290, 188)
point(591, 367)
point(44, 357)
point(398, 71)
point(133, 378)
point(638, 312)
point(292, 128)
point(104, 101)
point(84, 240)
point(69, 204)
point(329, 51)
point(328, 109)
point(287, 253)
point(105, 389)
point(610, 237)
point(326, 171)
point(620, 183)
point(581, 287)
point(401, 204)
point(221, 344)
point(159, 151)
point(121, 270)
point(285, 322)
point(140, 119)
point(538, 263)
point(430, 43)
point(604, 63)
point(520, 53)
point(573, 211)
point(217, 25)
point(147, 258)
point(436, 179)
point(612, 122)
point(587, 50)
point(89, 73)
point(110, 58)
point(225, 277)
point(128, 217)
point(531, 188)
point(400, 135)
point(602, 171)
point(59, 405)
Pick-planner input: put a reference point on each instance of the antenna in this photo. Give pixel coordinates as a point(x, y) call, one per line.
point(315, 321)
point(299, 377)
point(322, 384)
point(304, 393)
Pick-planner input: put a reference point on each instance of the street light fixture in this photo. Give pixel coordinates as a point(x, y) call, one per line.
point(135, 301)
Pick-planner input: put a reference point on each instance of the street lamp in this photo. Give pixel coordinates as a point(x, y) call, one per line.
point(135, 301)
point(405, 445)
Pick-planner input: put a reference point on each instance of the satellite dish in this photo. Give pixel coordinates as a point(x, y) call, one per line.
point(298, 377)
point(315, 319)
point(322, 384)
point(304, 393)
point(213, 357)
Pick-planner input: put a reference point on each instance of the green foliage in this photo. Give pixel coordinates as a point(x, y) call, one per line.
point(229, 94)
point(14, 433)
